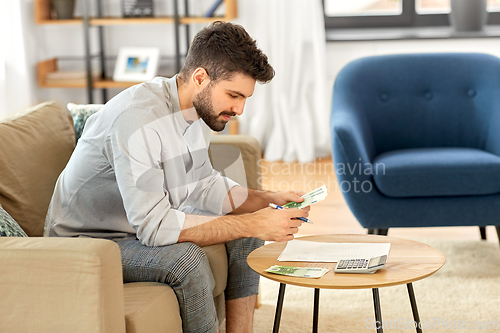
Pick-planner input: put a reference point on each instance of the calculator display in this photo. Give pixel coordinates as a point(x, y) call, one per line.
point(376, 261)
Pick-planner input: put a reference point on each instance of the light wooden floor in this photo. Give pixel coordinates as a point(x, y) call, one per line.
point(332, 215)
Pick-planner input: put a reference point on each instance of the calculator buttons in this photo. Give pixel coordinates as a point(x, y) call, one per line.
point(357, 266)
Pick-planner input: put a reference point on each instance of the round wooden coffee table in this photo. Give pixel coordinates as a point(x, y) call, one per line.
point(408, 261)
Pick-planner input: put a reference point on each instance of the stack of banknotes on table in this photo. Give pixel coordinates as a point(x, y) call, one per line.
point(307, 272)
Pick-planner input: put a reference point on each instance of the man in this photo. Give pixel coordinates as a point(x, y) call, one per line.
point(141, 175)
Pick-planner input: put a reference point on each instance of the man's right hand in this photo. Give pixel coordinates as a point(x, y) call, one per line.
point(279, 225)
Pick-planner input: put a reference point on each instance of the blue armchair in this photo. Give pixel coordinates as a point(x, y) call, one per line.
point(416, 140)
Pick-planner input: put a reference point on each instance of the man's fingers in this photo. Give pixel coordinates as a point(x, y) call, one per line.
point(291, 212)
point(293, 196)
point(294, 223)
point(299, 193)
point(297, 213)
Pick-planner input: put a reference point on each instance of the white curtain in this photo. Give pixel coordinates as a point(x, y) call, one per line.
point(289, 116)
point(17, 45)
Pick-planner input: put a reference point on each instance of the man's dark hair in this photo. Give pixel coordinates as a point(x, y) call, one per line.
point(224, 49)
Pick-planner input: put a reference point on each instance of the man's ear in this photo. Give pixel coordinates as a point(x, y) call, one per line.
point(200, 77)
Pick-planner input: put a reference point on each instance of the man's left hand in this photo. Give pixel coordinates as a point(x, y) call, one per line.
point(282, 198)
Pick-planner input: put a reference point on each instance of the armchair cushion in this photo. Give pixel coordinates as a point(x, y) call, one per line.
point(435, 172)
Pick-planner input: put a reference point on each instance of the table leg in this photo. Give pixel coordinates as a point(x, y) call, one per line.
point(279, 308)
point(316, 310)
point(378, 312)
point(414, 309)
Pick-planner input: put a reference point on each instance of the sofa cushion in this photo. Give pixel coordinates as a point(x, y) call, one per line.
point(217, 258)
point(435, 172)
point(151, 307)
point(9, 227)
point(80, 113)
point(35, 147)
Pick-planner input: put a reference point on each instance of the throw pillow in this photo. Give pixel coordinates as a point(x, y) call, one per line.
point(9, 227)
point(80, 114)
point(40, 142)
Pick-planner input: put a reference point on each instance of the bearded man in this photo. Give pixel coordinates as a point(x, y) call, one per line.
point(141, 176)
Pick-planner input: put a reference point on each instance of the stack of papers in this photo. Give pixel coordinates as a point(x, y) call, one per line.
point(301, 250)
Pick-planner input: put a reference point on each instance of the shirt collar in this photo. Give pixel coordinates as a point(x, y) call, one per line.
point(174, 95)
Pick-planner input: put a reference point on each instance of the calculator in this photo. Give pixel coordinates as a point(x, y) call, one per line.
point(366, 266)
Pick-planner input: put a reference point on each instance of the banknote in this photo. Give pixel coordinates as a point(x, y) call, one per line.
point(309, 198)
point(307, 272)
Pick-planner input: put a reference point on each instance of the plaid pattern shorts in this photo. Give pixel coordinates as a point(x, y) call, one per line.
point(185, 268)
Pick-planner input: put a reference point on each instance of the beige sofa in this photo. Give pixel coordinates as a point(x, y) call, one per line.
point(75, 284)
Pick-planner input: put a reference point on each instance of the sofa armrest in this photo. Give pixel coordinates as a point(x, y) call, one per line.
point(61, 285)
point(222, 156)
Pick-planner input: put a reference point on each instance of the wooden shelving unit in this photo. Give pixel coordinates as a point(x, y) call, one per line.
point(50, 66)
point(126, 21)
point(43, 16)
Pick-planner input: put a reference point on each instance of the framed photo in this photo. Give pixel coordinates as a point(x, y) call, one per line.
point(136, 64)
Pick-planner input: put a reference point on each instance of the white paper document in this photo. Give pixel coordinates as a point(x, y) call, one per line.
point(300, 250)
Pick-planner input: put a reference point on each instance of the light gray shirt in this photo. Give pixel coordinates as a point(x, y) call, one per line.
point(138, 167)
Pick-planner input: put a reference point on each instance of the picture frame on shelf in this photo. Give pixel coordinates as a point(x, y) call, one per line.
point(136, 64)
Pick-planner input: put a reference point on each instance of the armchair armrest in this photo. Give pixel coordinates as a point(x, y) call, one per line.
point(353, 143)
point(493, 140)
point(61, 285)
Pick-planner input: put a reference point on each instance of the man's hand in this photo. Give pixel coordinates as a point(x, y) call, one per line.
point(257, 219)
point(282, 198)
point(279, 225)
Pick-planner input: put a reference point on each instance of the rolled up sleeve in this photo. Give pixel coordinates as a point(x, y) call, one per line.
point(211, 191)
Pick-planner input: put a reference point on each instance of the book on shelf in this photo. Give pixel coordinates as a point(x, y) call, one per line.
point(76, 77)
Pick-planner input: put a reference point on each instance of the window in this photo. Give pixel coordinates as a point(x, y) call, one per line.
point(432, 6)
point(362, 7)
point(443, 6)
point(394, 13)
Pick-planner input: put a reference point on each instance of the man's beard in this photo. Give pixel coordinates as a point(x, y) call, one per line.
point(203, 105)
